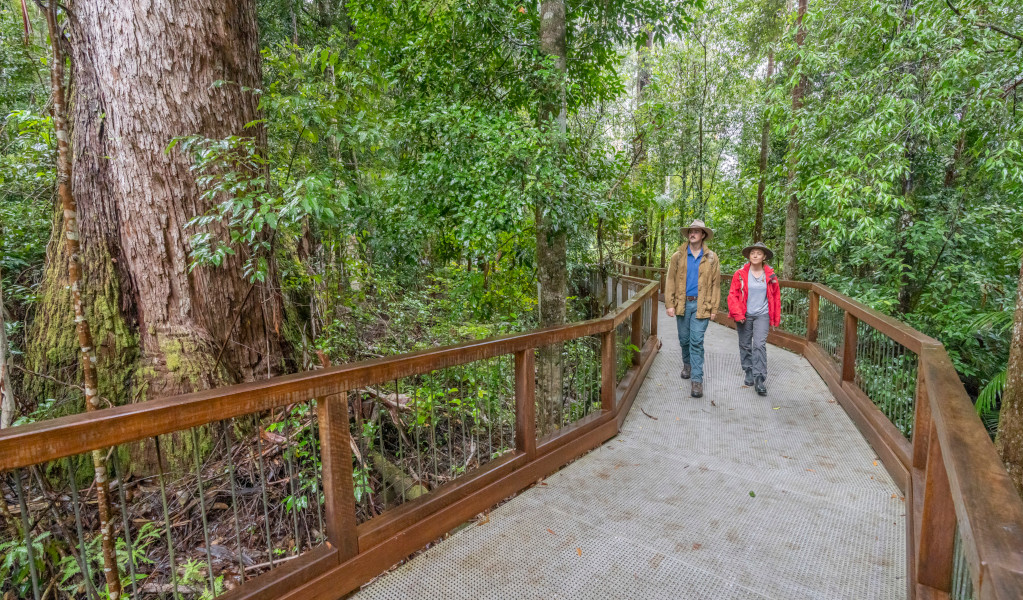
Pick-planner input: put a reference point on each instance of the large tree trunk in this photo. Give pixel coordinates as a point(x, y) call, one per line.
point(758, 223)
point(551, 252)
point(792, 212)
point(144, 75)
point(1010, 420)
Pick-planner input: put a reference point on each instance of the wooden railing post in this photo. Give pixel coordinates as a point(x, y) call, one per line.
point(338, 480)
point(921, 418)
point(849, 348)
point(812, 316)
point(934, 552)
point(607, 370)
point(637, 332)
point(655, 313)
point(525, 402)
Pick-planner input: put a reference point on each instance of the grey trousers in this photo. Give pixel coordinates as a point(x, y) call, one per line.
point(753, 344)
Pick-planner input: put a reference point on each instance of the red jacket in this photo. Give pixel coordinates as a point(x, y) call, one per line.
point(739, 291)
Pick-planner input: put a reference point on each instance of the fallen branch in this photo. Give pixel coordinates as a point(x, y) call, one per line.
point(402, 483)
point(647, 414)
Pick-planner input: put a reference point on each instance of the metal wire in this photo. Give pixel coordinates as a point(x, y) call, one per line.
point(90, 587)
point(314, 444)
point(831, 328)
point(262, 485)
point(886, 372)
point(172, 563)
point(962, 580)
point(202, 512)
point(127, 529)
point(289, 459)
point(27, 531)
point(795, 305)
point(229, 434)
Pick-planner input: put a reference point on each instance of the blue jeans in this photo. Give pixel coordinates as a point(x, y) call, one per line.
point(690, 337)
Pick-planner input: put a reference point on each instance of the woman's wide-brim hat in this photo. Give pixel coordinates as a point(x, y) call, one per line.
point(768, 255)
point(698, 224)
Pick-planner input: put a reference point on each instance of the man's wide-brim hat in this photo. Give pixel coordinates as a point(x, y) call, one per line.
point(768, 255)
point(698, 224)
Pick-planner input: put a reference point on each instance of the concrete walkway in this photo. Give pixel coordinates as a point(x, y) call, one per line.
point(725, 497)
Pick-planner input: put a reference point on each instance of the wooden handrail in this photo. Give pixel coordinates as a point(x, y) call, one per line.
point(356, 553)
point(951, 472)
point(53, 439)
point(987, 508)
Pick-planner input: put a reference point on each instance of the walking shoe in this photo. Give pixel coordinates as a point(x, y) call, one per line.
point(760, 387)
point(697, 389)
point(749, 378)
point(686, 371)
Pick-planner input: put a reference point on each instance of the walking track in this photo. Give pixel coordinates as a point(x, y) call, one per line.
point(730, 496)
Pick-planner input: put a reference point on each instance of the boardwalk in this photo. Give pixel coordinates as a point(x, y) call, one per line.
point(729, 496)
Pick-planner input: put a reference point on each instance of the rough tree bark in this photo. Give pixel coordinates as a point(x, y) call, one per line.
point(758, 223)
point(144, 74)
point(792, 212)
point(551, 253)
point(1010, 420)
point(87, 353)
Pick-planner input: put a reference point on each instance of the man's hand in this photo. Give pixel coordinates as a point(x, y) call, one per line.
point(713, 316)
point(671, 312)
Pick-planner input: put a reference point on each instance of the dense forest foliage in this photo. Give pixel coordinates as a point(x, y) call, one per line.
point(393, 203)
point(412, 174)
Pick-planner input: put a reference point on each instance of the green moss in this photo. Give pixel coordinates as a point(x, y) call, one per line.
point(52, 345)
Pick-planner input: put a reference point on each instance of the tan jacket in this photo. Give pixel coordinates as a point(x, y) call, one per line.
point(708, 296)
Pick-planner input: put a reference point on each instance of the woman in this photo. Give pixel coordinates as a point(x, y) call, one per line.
point(754, 302)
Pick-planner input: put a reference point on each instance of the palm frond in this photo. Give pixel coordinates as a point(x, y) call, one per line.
point(999, 321)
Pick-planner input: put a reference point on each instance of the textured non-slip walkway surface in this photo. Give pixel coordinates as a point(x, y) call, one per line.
point(731, 496)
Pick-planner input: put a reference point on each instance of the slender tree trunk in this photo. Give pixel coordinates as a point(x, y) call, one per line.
point(641, 228)
point(662, 240)
point(792, 212)
point(758, 223)
point(6, 388)
point(87, 352)
point(699, 184)
point(551, 253)
point(144, 75)
point(1010, 420)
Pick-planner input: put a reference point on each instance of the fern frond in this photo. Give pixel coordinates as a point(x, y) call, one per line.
point(988, 398)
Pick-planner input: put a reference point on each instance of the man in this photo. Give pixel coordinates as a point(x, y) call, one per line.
point(692, 293)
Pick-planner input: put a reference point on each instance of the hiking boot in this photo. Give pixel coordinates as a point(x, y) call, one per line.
point(749, 378)
point(686, 371)
point(760, 387)
point(697, 389)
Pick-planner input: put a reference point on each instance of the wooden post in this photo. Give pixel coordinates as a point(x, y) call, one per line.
point(637, 332)
point(812, 316)
point(934, 552)
point(849, 348)
point(525, 402)
point(655, 313)
point(921, 419)
point(607, 370)
point(338, 481)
